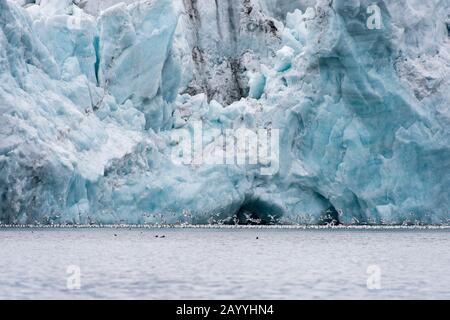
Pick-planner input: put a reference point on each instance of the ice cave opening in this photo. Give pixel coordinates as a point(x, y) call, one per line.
point(258, 211)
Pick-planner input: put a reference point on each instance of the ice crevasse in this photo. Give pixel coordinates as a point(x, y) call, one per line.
point(92, 103)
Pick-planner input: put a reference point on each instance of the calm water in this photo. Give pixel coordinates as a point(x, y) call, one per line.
point(224, 263)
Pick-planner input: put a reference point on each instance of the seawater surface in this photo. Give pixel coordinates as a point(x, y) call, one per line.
point(224, 263)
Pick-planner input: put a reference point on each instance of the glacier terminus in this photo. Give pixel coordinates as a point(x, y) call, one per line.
point(345, 102)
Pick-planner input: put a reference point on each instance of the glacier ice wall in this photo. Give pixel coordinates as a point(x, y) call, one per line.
point(92, 101)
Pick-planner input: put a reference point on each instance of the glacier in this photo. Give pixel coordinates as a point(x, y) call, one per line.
point(95, 97)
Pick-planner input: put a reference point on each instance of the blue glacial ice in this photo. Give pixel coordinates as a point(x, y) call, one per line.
point(95, 98)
